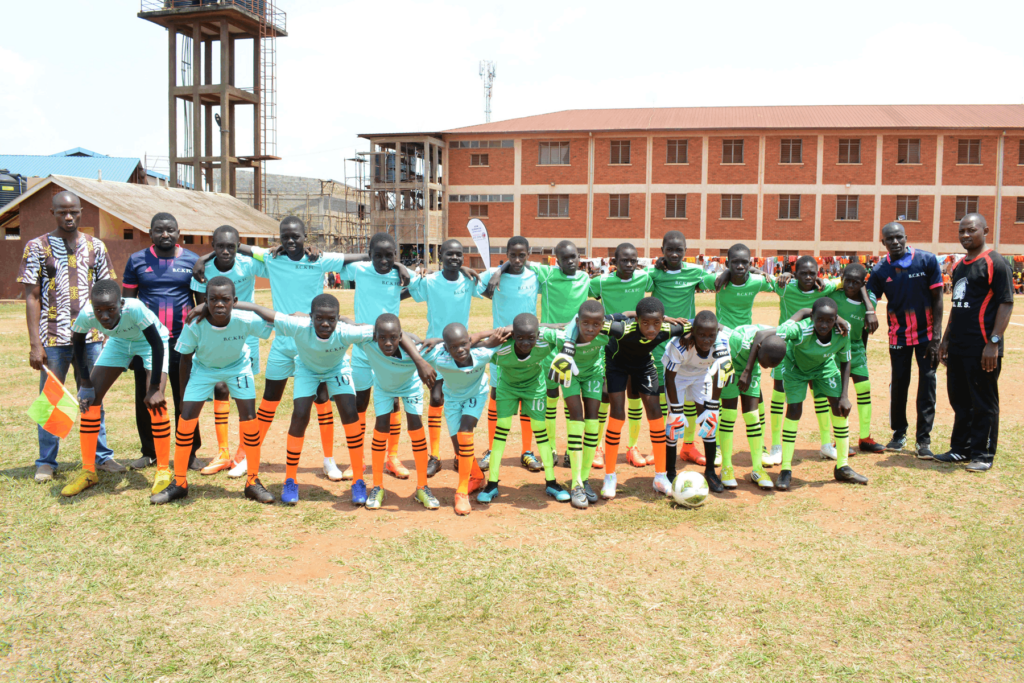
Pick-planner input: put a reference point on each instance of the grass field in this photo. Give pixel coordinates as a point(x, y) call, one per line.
point(917, 577)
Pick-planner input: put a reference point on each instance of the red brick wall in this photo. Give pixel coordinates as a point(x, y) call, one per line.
point(774, 228)
point(908, 174)
point(500, 216)
point(608, 173)
point(732, 173)
point(689, 226)
point(861, 230)
point(624, 229)
point(574, 174)
point(689, 174)
point(919, 231)
point(983, 174)
point(500, 169)
point(949, 226)
point(573, 228)
point(776, 172)
point(731, 229)
point(1011, 232)
point(834, 173)
point(1013, 171)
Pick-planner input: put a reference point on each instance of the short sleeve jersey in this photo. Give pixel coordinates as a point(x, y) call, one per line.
point(517, 294)
point(560, 295)
point(243, 273)
point(852, 311)
point(632, 349)
point(222, 347)
point(589, 356)
point(294, 284)
point(461, 383)
point(448, 301)
point(676, 288)
point(164, 285)
point(618, 295)
point(320, 356)
point(805, 351)
point(792, 298)
point(136, 317)
point(376, 293)
point(689, 363)
point(734, 304)
point(979, 286)
point(392, 374)
point(907, 285)
point(740, 342)
point(525, 375)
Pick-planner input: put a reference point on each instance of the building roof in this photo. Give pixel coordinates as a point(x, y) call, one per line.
point(995, 116)
point(198, 213)
point(117, 169)
point(79, 152)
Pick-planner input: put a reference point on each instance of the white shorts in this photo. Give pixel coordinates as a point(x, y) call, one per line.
point(694, 389)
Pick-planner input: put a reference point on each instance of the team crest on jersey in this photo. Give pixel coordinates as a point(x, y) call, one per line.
point(959, 293)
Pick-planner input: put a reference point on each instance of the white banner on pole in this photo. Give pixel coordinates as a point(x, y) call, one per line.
point(478, 231)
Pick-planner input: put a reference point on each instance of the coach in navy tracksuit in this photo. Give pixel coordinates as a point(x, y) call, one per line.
point(911, 281)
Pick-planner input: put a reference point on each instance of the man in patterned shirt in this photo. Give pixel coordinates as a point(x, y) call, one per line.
point(58, 270)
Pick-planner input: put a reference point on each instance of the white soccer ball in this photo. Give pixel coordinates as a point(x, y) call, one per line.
point(690, 489)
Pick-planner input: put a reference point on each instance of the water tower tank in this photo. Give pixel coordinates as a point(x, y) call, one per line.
point(11, 186)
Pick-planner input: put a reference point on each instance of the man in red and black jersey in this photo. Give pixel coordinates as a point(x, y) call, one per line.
point(972, 347)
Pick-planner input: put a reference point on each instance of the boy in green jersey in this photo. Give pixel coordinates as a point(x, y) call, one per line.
point(816, 341)
point(853, 310)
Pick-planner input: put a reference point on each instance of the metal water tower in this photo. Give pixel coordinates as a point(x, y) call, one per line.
point(205, 26)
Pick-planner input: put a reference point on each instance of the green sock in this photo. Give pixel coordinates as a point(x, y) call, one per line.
point(663, 402)
point(778, 408)
point(690, 411)
point(822, 411)
point(841, 428)
point(760, 415)
point(575, 429)
point(789, 428)
point(726, 425)
point(498, 447)
point(546, 456)
point(863, 390)
point(590, 441)
point(602, 420)
point(635, 414)
point(549, 420)
point(755, 437)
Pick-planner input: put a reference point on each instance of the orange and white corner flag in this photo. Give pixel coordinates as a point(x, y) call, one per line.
point(56, 409)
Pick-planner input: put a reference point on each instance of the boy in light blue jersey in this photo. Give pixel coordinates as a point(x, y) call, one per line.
point(242, 271)
point(517, 294)
point(398, 370)
point(322, 343)
point(214, 349)
point(449, 295)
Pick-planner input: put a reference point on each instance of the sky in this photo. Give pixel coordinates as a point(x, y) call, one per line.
point(93, 75)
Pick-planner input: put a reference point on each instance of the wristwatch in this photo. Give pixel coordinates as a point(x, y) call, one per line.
point(995, 339)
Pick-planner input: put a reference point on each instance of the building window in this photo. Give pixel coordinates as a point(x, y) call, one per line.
point(678, 152)
point(1020, 209)
point(906, 207)
point(478, 210)
point(554, 154)
point(15, 233)
point(792, 152)
point(187, 239)
point(789, 206)
point(732, 151)
point(849, 151)
point(473, 198)
point(847, 207)
point(968, 152)
point(675, 206)
point(965, 205)
point(908, 152)
point(620, 152)
point(553, 206)
point(479, 160)
point(481, 144)
point(1020, 154)
point(732, 206)
point(128, 234)
point(618, 206)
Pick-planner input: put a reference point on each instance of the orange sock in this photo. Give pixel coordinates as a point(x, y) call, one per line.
point(221, 409)
point(325, 413)
point(378, 448)
point(527, 426)
point(161, 438)
point(492, 420)
point(434, 414)
point(88, 434)
point(657, 428)
point(251, 442)
point(183, 449)
point(419, 453)
point(396, 432)
point(291, 466)
point(264, 416)
point(362, 425)
point(354, 439)
point(467, 458)
point(612, 433)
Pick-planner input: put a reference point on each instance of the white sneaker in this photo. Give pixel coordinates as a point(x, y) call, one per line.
point(331, 470)
point(828, 451)
point(608, 488)
point(239, 470)
point(775, 457)
point(661, 484)
point(762, 480)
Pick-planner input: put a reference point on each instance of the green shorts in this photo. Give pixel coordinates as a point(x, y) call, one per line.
point(507, 402)
point(859, 359)
point(732, 390)
point(591, 386)
point(825, 381)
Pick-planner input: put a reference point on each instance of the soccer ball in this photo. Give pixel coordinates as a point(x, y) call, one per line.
point(690, 489)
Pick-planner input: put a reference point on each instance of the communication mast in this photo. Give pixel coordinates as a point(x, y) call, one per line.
point(487, 73)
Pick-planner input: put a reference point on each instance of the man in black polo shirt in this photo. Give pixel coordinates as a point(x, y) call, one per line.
point(911, 281)
point(972, 347)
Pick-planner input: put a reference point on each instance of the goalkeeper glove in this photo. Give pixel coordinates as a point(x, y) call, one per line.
point(676, 423)
point(563, 367)
point(725, 373)
point(707, 422)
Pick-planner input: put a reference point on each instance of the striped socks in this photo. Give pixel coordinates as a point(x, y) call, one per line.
point(419, 453)
point(396, 433)
point(501, 428)
point(526, 425)
point(755, 437)
point(221, 409)
point(378, 448)
point(634, 413)
point(544, 447)
point(726, 427)
point(89, 434)
point(823, 412)
point(657, 428)
point(252, 443)
point(325, 416)
point(291, 467)
point(841, 429)
point(161, 431)
point(590, 443)
point(789, 428)
point(612, 435)
point(434, 414)
point(863, 390)
point(778, 408)
point(575, 429)
point(354, 440)
point(265, 416)
point(550, 425)
point(183, 449)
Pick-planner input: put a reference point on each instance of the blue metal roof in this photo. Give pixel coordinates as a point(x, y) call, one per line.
point(78, 151)
point(118, 169)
